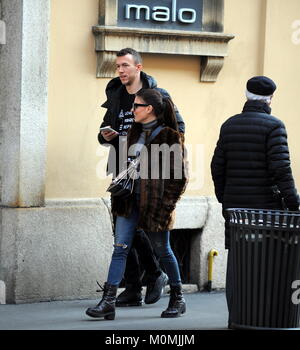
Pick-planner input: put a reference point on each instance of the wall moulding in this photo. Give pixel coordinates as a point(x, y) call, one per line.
point(209, 43)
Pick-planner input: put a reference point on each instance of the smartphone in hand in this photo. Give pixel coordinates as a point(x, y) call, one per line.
point(107, 129)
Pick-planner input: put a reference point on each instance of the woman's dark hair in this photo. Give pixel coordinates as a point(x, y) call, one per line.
point(163, 107)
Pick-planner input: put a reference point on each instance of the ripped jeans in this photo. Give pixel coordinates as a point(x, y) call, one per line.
point(124, 233)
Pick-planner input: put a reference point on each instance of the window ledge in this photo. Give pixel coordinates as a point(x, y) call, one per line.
point(209, 46)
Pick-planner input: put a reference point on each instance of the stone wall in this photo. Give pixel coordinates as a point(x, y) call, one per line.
point(59, 252)
point(24, 102)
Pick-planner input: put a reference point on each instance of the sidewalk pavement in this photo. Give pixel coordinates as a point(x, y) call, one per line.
point(205, 311)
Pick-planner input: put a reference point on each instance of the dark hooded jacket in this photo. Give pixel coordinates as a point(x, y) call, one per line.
point(251, 160)
point(113, 94)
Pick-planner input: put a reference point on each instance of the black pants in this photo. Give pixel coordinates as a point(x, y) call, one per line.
point(141, 258)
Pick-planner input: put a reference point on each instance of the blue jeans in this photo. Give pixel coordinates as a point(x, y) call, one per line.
point(124, 233)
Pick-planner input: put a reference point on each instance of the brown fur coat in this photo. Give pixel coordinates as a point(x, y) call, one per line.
point(158, 195)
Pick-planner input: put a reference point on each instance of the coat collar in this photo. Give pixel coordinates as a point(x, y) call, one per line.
point(256, 106)
point(114, 87)
point(148, 82)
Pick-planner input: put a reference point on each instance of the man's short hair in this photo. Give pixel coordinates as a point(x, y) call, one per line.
point(128, 51)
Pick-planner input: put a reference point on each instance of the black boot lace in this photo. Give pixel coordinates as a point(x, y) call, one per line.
point(101, 288)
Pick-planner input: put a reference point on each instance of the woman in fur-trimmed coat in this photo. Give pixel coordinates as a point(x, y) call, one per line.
point(163, 178)
point(158, 197)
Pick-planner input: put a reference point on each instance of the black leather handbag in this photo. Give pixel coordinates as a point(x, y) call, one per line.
point(122, 186)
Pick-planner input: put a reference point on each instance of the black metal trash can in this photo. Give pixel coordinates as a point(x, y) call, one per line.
point(265, 248)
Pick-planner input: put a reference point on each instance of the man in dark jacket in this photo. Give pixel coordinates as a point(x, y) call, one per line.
point(120, 94)
point(251, 162)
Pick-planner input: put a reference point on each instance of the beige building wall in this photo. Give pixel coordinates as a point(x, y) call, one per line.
point(262, 45)
point(282, 62)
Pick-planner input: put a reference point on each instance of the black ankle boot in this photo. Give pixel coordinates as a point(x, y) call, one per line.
point(155, 288)
point(106, 307)
point(176, 305)
point(131, 296)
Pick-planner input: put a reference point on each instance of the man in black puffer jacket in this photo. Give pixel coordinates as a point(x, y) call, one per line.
point(251, 162)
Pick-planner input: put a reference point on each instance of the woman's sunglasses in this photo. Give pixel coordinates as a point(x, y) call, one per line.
point(136, 105)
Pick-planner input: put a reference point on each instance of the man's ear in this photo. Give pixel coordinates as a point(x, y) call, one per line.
point(270, 100)
point(139, 67)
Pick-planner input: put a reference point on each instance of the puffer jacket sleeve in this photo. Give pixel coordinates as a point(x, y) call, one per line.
point(278, 160)
point(218, 169)
point(108, 116)
point(107, 121)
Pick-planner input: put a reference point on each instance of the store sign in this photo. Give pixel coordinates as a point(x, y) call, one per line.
point(172, 27)
point(162, 14)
